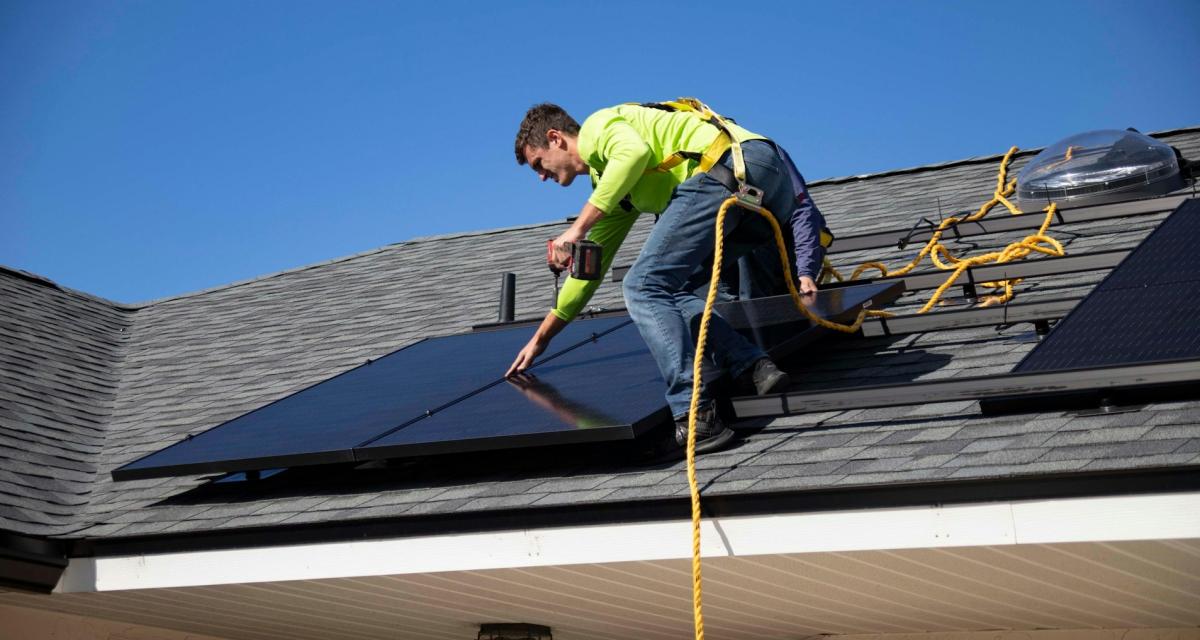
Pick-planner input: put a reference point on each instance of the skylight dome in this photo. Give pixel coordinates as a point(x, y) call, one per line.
point(1098, 166)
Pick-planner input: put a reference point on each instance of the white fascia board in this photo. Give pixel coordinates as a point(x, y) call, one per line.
point(1143, 517)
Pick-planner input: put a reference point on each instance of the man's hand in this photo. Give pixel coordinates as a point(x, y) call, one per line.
point(549, 328)
point(561, 258)
point(807, 286)
point(578, 231)
point(526, 356)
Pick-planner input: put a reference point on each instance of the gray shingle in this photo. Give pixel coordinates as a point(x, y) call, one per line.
point(1191, 446)
point(1026, 441)
point(792, 457)
point(573, 497)
point(502, 502)
point(637, 479)
point(1017, 469)
point(801, 470)
point(1098, 435)
point(1003, 456)
point(791, 483)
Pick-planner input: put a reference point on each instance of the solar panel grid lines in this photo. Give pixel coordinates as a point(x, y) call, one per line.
point(606, 389)
point(323, 423)
point(539, 365)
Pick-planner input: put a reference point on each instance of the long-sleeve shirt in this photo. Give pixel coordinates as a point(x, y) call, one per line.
point(619, 144)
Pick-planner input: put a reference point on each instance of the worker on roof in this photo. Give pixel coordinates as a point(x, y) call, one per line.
point(626, 150)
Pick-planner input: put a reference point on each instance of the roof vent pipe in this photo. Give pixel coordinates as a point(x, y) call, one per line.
point(508, 296)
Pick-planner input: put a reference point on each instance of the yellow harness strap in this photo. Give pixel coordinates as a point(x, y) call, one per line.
point(712, 155)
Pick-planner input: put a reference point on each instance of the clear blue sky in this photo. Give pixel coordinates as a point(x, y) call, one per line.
point(149, 149)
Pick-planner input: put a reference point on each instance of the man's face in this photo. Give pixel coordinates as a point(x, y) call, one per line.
point(555, 161)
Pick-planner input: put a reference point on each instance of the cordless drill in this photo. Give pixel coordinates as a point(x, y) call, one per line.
point(582, 264)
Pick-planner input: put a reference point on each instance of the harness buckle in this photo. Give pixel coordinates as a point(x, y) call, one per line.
point(747, 194)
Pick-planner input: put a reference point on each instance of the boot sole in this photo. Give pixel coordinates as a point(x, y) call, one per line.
point(677, 452)
point(715, 442)
point(777, 383)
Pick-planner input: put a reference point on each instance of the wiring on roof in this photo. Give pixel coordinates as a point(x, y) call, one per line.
point(943, 259)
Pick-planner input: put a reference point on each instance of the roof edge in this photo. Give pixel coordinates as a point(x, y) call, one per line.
point(1153, 516)
point(872, 496)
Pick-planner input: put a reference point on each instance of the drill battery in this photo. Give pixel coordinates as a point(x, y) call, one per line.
point(584, 260)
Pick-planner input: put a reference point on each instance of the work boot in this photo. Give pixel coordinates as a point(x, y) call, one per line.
point(764, 377)
point(711, 433)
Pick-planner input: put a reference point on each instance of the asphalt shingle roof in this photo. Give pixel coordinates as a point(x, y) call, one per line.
point(89, 385)
point(58, 378)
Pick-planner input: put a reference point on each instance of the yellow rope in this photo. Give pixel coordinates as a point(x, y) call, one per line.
point(941, 257)
point(938, 254)
point(934, 246)
point(828, 272)
point(702, 342)
point(1014, 251)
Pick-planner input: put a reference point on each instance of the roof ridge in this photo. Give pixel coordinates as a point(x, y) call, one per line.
point(43, 281)
point(345, 258)
point(966, 161)
point(32, 277)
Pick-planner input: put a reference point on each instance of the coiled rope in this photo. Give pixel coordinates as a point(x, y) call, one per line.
point(941, 257)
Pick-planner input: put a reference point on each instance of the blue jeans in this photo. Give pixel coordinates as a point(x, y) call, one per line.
point(660, 288)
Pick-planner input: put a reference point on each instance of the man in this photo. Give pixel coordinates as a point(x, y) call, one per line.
point(621, 148)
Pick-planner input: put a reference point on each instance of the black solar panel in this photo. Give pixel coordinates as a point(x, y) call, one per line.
point(607, 389)
point(323, 423)
point(1146, 310)
point(447, 395)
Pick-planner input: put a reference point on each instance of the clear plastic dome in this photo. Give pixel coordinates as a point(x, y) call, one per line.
point(1096, 167)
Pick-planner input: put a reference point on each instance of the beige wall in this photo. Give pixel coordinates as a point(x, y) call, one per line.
point(19, 623)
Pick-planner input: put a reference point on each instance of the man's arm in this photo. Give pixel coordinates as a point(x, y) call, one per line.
point(578, 230)
point(806, 223)
point(609, 233)
point(626, 156)
point(549, 328)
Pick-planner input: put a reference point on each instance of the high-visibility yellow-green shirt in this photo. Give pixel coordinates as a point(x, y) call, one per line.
point(619, 144)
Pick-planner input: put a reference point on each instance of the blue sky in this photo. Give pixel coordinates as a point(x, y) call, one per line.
point(154, 148)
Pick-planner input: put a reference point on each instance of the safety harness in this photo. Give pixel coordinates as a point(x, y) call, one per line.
point(709, 161)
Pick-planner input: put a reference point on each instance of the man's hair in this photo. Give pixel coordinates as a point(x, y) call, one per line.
point(538, 120)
